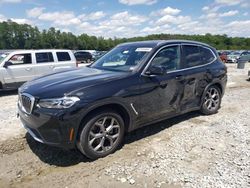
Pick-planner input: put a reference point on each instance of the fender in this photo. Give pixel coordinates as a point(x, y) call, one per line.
point(109, 101)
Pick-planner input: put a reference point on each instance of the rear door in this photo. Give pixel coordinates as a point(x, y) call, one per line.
point(44, 63)
point(20, 70)
point(197, 74)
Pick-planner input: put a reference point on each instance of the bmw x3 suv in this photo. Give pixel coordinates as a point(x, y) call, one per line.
point(133, 85)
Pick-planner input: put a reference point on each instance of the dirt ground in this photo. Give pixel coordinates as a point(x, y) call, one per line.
point(188, 151)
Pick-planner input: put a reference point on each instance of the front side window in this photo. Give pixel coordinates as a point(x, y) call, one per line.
point(44, 57)
point(168, 58)
point(123, 58)
point(63, 56)
point(20, 59)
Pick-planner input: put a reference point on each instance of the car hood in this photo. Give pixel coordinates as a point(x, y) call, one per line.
point(69, 82)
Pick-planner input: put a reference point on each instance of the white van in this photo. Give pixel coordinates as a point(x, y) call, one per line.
point(20, 66)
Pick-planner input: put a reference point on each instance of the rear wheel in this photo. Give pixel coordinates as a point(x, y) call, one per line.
point(211, 101)
point(101, 135)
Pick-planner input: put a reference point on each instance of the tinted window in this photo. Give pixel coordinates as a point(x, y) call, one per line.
point(44, 57)
point(168, 57)
point(63, 56)
point(20, 59)
point(206, 55)
point(82, 56)
point(192, 56)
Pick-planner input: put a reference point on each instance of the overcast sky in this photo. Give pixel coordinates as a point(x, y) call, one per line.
point(128, 18)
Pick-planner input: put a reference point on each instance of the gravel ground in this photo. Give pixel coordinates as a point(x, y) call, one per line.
point(188, 151)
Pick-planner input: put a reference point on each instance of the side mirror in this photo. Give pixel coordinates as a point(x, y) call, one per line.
point(155, 70)
point(6, 64)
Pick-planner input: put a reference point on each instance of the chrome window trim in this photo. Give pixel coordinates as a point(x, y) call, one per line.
point(180, 45)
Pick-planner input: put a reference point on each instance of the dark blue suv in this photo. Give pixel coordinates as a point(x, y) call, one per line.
point(133, 85)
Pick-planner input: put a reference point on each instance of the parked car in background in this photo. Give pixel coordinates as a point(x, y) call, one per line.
point(133, 85)
point(245, 53)
point(99, 54)
point(233, 56)
point(223, 56)
point(244, 58)
point(20, 66)
point(83, 57)
point(242, 61)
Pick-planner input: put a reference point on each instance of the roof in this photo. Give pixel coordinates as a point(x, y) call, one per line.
point(154, 43)
point(40, 50)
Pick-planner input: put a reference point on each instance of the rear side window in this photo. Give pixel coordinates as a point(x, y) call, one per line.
point(195, 55)
point(192, 56)
point(63, 56)
point(44, 57)
point(206, 55)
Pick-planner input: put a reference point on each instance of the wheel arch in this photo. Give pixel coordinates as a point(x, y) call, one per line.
point(217, 84)
point(117, 107)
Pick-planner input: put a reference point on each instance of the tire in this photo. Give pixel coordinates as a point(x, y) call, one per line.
point(101, 135)
point(211, 100)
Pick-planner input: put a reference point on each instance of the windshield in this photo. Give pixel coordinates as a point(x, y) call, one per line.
point(122, 58)
point(2, 56)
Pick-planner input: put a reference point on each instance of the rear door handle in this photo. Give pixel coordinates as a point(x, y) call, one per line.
point(179, 77)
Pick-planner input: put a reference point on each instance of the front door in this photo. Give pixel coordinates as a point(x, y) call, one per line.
point(161, 94)
point(20, 70)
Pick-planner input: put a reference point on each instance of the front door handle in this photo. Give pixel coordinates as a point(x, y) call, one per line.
point(179, 77)
point(28, 69)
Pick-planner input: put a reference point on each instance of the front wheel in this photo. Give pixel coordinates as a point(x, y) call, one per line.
point(101, 135)
point(211, 100)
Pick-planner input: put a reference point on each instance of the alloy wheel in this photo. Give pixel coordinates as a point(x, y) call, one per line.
point(212, 99)
point(104, 134)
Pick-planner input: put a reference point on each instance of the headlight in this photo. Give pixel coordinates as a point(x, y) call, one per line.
point(58, 103)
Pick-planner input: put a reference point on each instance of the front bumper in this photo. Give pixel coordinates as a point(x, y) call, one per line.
point(51, 127)
point(231, 60)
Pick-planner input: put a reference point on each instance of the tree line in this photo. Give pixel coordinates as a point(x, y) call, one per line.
point(24, 36)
